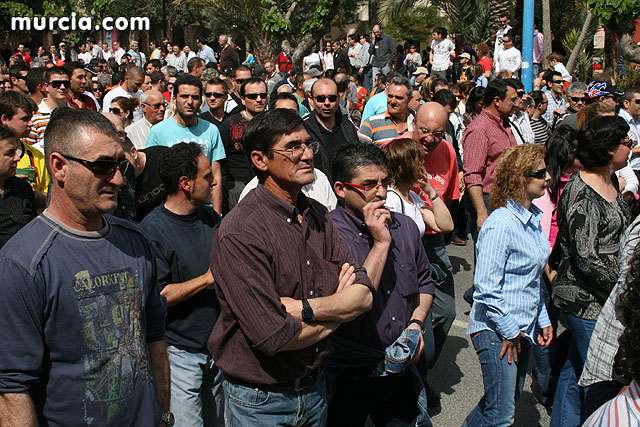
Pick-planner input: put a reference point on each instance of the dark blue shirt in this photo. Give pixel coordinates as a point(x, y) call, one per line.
point(182, 244)
point(406, 274)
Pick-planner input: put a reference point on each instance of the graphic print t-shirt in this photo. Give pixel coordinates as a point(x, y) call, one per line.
point(83, 305)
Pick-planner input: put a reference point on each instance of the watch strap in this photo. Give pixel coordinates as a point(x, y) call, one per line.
point(417, 322)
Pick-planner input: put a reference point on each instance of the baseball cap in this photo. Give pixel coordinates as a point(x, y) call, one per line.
point(90, 68)
point(420, 70)
point(465, 55)
point(596, 89)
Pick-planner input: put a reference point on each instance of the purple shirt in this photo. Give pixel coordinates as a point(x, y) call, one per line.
point(406, 274)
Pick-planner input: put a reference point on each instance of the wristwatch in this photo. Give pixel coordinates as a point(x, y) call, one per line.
point(168, 419)
point(307, 311)
point(417, 322)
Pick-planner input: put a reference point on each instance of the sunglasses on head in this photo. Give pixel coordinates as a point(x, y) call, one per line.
point(214, 94)
point(101, 167)
point(540, 173)
point(262, 95)
point(57, 83)
point(323, 98)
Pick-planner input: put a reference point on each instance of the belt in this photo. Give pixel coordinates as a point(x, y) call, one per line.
point(297, 385)
point(439, 69)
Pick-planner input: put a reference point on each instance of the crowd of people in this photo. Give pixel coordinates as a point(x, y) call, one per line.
point(193, 239)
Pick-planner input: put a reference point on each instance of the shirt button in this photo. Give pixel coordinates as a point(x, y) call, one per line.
point(310, 292)
point(308, 262)
point(289, 220)
point(360, 234)
point(317, 350)
point(393, 318)
point(388, 292)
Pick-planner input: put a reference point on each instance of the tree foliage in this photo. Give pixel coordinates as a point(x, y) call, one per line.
point(615, 14)
point(414, 24)
point(472, 17)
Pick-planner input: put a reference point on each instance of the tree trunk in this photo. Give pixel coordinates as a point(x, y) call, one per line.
point(546, 30)
point(264, 48)
point(580, 44)
point(609, 42)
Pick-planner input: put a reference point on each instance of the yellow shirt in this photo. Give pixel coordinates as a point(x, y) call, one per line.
point(33, 159)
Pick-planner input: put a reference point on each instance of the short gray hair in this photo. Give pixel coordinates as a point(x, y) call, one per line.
point(62, 134)
point(576, 87)
point(402, 81)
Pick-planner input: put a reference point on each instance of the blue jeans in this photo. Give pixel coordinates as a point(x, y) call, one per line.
point(443, 308)
point(278, 405)
point(367, 79)
point(503, 382)
point(568, 401)
point(376, 70)
point(196, 389)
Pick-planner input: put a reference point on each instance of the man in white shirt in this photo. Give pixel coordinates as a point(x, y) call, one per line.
point(442, 53)
point(118, 52)
point(630, 112)
point(509, 57)
point(83, 54)
point(130, 87)
point(188, 52)
point(153, 106)
point(354, 48)
point(504, 28)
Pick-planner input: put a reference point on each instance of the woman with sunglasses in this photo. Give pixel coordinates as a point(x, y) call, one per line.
point(509, 314)
point(591, 218)
point(124, 107)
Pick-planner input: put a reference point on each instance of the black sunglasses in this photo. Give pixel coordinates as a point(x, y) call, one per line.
point(583, 99)
point(101, 167)
point(240, 81)
point(540, 173)
point(637, 101)
point(557, 81)
point(57, 83)
point(214, 94)
point(116, 110)
point(262, 95)
point(322, 98)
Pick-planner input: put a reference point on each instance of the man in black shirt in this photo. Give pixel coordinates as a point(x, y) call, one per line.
point(236, 169)
point(340, 58)
point(17, 202)
point(215, 93)
point(181, 231)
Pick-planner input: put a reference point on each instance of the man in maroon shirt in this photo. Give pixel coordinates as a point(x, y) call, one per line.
point(486, 137)
point(77, 86)
point(285, 281)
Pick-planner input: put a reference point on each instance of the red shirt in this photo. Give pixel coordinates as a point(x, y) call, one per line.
point(486, 63)
point(87, 103)
point(486, 137)
point(283, 62)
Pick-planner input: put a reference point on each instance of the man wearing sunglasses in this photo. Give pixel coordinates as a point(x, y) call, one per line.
point(236, 169)
point(87, 323)
point(630, 112)
point(215, 94)
point(576, 100)
point(153, 107)
point(557, 104)
point(239, 75)
point(18, 77)
point(57, 92)
point(285, 281)
point(185, 126)
point(327, 124)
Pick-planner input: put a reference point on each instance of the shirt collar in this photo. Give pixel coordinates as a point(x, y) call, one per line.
point(498, 120)
point(525, 215)
point(351, 220)
point(281, 207)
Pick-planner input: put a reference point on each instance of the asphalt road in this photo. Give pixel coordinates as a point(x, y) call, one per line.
point(457, 374)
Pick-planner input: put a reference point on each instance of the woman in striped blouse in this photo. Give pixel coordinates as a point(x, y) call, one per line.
point(509, 313)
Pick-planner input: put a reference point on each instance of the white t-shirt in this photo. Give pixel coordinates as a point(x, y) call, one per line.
point(319, 190)
point(116, 92)
point(442, 53)
point(312, 59)
point(559, 67)
point(86, 57)
point(396, 203)
point(509, 59)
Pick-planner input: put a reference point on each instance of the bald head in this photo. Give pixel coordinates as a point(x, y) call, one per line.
point(430, 125)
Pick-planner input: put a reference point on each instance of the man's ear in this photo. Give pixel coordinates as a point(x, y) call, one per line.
point(339, 189)
point(4, 119)
point(184, 183)
point(258, 158)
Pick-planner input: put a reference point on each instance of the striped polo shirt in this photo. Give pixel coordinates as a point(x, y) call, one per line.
point(381, 129)
point(40, 121)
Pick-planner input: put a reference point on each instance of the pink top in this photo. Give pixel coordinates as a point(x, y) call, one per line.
point(549, 220)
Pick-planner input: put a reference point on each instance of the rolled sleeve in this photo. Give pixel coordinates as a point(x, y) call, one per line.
point(249, 290)
point(366, 132)
point(492, 250)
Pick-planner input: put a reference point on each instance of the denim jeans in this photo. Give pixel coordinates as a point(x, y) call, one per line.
point(279, 405)
point(503, 382)
point(376, 70)
point(568, 401)
point(196, 389)
point(443, 308)
point(367, 81)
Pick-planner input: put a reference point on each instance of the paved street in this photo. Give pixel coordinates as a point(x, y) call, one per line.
point(457, 374)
